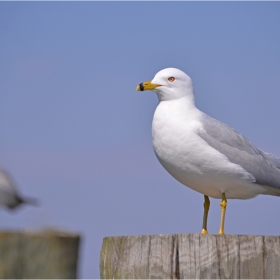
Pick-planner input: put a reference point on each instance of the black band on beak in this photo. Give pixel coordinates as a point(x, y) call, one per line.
point(141, 87)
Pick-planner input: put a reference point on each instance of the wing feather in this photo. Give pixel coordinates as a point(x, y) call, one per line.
point(263, 166)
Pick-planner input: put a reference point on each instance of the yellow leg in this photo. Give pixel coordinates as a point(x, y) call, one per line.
point(223, 213)
point(205, 216)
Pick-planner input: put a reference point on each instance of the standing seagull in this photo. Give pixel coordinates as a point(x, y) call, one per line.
point(9, 196)
point(205, 154)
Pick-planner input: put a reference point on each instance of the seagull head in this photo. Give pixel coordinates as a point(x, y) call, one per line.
point(169, 84)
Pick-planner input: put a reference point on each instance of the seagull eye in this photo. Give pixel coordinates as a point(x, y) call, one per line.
point(171, 79)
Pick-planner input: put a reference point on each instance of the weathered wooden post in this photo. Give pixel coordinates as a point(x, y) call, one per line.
point(47, 254)
point(189, 256)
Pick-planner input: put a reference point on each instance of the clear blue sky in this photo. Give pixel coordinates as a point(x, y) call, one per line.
point(76, 134)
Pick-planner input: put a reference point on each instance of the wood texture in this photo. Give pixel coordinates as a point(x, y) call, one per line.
point(190, 256)
point(48, 254)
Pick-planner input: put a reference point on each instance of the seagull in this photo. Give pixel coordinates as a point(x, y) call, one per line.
point(9, 196)
point(203, 153)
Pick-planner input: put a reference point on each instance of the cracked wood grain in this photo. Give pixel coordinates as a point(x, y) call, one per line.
point(190, 256)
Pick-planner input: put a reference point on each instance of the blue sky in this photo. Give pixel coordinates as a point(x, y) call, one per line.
point(76, 135)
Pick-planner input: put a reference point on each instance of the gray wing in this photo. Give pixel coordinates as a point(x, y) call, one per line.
point(273, 159)
point(9, 193)
point(263, 166)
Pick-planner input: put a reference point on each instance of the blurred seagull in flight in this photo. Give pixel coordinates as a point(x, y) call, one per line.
point(9, 196)
point(203, 153)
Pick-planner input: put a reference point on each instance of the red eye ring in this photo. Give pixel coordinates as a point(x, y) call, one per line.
point(171, 79)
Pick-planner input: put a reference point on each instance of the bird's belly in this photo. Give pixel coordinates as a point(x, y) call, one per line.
point(191, 161)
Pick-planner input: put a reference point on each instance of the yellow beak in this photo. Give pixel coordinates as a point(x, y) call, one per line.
point(146, 86)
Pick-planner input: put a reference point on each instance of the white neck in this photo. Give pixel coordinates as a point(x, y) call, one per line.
point(186, 102)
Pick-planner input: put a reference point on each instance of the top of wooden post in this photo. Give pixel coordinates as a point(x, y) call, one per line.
point(186, 256)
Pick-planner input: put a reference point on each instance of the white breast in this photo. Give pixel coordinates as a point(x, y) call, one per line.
point(190, 160)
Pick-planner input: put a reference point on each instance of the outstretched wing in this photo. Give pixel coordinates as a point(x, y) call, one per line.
point(263, 166)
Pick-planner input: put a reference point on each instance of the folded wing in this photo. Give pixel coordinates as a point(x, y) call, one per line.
point(263, 166)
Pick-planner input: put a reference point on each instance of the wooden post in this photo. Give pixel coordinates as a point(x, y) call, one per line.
point(47, 254)
point(189, 256)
